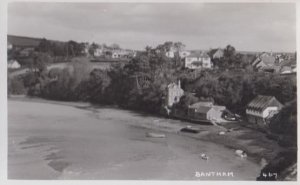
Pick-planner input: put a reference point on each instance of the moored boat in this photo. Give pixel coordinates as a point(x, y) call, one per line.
point(155, 135)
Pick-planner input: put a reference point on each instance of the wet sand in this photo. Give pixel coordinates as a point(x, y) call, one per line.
point(51, 141)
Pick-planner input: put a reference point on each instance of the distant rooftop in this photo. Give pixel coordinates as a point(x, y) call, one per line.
point(198, 55)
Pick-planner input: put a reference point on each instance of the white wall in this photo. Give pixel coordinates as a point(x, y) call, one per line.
point(267, 111)
point(262, 114)
point(206, 63)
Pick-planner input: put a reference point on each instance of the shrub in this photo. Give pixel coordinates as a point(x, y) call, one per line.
point(15, 86)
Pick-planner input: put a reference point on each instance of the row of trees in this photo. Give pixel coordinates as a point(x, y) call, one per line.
point(232, 59)
point(55, 48)
point(71, 48)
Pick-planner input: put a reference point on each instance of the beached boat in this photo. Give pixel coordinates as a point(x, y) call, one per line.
point(204, 157)
point(155, 135)
point(241, 153)
point(190, 130)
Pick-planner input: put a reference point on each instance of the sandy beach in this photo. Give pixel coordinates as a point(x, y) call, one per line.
point(65, 140)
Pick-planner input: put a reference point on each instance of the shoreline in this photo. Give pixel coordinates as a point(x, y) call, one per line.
point(253, 142)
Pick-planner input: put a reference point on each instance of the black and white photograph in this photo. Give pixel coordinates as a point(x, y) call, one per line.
point(151, 91)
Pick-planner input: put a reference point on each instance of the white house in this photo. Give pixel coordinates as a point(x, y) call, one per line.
point(85, 50)
point(206, 111)
point(13, 64)
point(198, 60)
point(121, 53)
point(219, 53)
point(170, 54)
point(262, 108)
point(115, 55)
point(98, 52)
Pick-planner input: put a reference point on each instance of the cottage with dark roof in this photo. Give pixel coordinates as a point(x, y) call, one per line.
point(217, 53)
point(205, 111)
point(262, 108)
point(266, 62)
point(198, 60)
point(13, 64)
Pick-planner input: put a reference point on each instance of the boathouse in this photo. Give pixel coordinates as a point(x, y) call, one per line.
point(262, 108)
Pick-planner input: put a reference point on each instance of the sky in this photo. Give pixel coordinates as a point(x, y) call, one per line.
point(246, 26)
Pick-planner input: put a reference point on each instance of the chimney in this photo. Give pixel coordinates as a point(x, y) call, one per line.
point(179, 83)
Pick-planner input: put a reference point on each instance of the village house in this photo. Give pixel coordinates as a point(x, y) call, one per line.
point(13, 64)
point(170, 54)
point(287, 70)
point(288, 66)
point(174, 93)
point(279, 58)
point(121, 54)
point(85, 50)
point(266, 62)
point(98, 52)
point(217, 53)
point(115, 54)
point(134, 54)
point(262, 108)
point(198, 60)
point(206, 111)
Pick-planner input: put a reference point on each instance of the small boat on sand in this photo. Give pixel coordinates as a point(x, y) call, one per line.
point(204, 157)
point(190, 129)
point(241, 153)
point(155, 135)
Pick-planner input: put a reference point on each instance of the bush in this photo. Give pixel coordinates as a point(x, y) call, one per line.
point(68, 84)
point(280, 163)
point(15, 86)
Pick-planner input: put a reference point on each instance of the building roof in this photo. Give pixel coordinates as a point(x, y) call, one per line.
point(268, 60)
point(286, 69)
point(261, 102)
point(23, 41)
point(203, 109)
point(201, 104)
point(214, 51)
point(174, 84)
point(219, 108)
point(12, 61)
point(198, 55)
point(291, 62)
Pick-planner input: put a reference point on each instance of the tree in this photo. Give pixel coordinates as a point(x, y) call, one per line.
point(45, 46)
point(97, 86)
point(93, 48)
point(229, 51)
point(75, 49)
point(179, 46)
point(15, 86)
point(285, 122)
point(185, 101)
point(59, 49)
point(165, 47)
point(115, 46)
